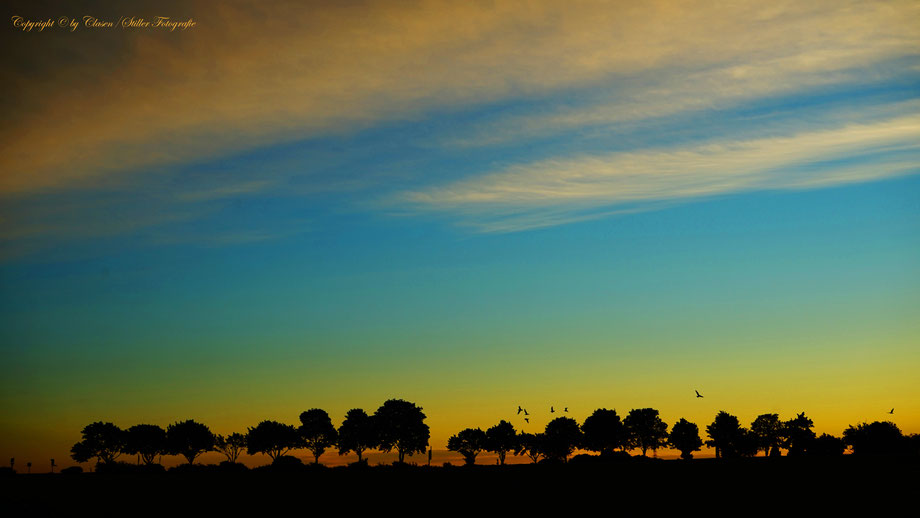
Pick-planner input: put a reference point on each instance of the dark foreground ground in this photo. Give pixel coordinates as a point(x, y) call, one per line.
point(845, 486)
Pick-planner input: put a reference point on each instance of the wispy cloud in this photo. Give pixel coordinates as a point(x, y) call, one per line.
point(557, 191)
point(250, 75)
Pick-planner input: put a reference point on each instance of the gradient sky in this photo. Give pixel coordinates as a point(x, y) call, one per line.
point(468, 205)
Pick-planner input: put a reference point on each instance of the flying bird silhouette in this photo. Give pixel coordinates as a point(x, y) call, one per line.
point(551, 410)
point(698, 393)
point(566, 409)
point(519, 409)
point(527, 420)
point(525, 412)
point(892, 411)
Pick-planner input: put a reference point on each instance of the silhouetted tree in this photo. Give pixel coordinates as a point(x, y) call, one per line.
point(876, 438)
point(501, 439)
point(685, 437)
point(768, 431)
point(912, 444)
point(827, 446)
point(231, 446)
point(189, 439)
point(798, 433)
point(747, 443)
point(357, 433)
point(146, 441)
point(317, 432)
point(469, 443)
point(560, 438)
point(645, 429)
point(103, 441)
point(401, 425)
point(531, 445)
point(272, 438)
point(604, 432)
point(725, 435)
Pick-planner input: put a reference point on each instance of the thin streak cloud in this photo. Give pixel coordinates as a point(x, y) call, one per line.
point(566, 189)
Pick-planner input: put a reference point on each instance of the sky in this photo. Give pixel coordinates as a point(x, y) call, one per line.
point(470, 205)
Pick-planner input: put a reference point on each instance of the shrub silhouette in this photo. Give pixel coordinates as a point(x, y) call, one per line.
point(827, 446)
point(189, 439)
point(401, 425)
point(560, 438)
point(272, 438)
point(103, 441)
point(685, 437)
point(286, 463)
point(231, 446)
point(645, 429)
point(357, 433)
point(469, 443)
point(145, 440)
point(501, 439)
point(317, 432)
point(876, 438)
point(604, 432)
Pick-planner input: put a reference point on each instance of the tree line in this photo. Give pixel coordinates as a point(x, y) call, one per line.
point(399, 426)
point(604, 433)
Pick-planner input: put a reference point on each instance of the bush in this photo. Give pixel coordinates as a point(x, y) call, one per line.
point(286, 463)
point(233, 467)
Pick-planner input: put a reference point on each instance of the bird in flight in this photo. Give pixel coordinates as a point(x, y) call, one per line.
point(566, 409)
point(525, 412)
point(892, 411)
point(519, 409)
point(527, 420)
point(698, 393)
point(551, 410)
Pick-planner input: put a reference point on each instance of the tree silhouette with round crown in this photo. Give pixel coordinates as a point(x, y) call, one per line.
point(317, 432)
point(604, 431)
point(799, 434)
point(189, 439)
point(685, 437)
point(146, 440)
point(272, 438)
point(646, 430)
point(560, 438)
point(725, 434)
point(469, 443)
point(401, 426)
point(103, 441)
point(357, 433)
point(231, 446)
point(768, 432)
point(531, 445)
point(501, 439)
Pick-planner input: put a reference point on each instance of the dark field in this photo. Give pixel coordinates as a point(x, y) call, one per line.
point(637, 485)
